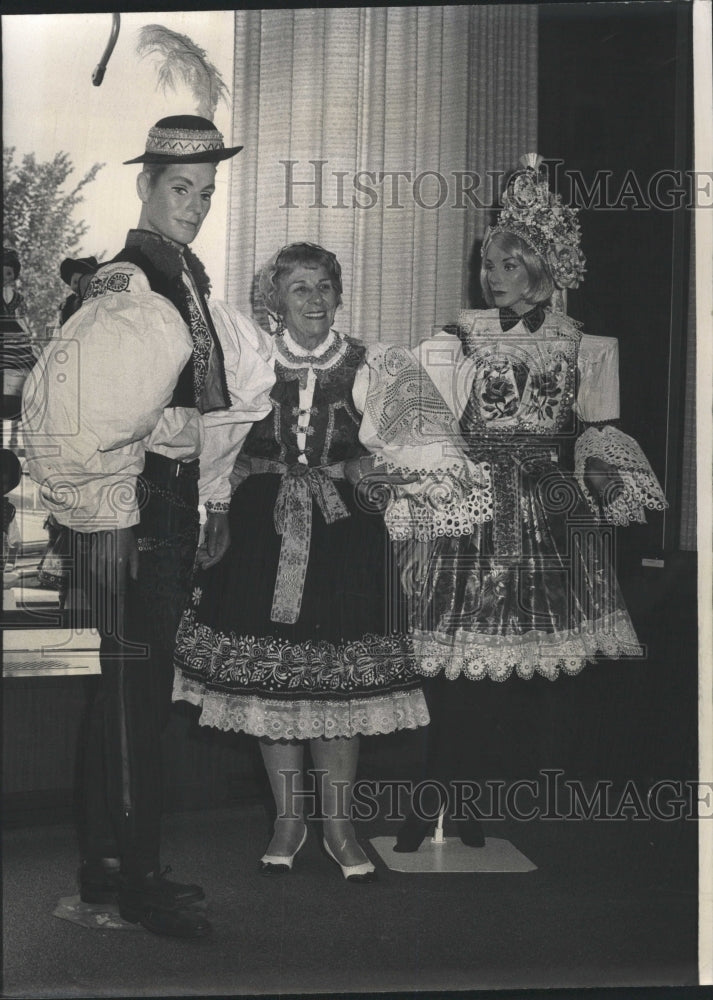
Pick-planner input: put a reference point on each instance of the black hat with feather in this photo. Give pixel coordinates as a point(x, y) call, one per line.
point(185, 139)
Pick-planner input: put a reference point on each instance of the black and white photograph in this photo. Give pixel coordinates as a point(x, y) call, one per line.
point(357, 472)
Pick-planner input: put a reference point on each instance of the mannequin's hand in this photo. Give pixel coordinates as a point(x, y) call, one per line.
point(603, 480)
point(413, 560)
point(216, 540)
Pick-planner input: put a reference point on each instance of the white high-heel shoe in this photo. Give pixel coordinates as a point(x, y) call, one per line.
point(280, 864)
point(359, 874)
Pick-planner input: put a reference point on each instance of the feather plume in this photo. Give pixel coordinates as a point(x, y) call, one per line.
point(183, 60)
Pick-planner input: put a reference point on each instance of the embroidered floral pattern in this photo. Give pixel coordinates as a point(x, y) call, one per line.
point(498, 393)
point(202, 343)
point(101, 284)
point(269, 666)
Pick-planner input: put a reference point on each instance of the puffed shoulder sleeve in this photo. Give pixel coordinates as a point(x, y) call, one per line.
point(598, 395)
point(249, 372)
point(94, 395)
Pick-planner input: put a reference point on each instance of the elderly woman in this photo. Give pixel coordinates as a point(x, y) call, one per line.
point(507, 554)
point(291, 637)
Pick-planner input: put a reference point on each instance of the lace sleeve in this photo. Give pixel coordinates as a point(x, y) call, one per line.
point(410, 428)
point(640, 487)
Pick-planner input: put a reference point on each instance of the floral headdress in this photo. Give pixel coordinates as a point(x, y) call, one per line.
point(540, 219)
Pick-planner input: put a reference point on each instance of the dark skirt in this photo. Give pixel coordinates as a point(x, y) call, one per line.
point(344, 667)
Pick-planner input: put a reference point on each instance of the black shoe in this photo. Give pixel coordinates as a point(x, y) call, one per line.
point(470, 832)
point(157, 891)
point(98, 883)
point(412, 833)
point(179, 921)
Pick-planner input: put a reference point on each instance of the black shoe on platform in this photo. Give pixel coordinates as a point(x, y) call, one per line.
point(470, 832)
point(412, 833)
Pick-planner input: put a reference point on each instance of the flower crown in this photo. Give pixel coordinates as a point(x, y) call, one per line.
point(539, 218)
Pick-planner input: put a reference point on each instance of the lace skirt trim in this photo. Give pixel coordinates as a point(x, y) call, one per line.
point(304, 719)
point(478, 656)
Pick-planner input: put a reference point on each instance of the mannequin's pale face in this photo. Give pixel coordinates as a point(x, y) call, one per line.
point(507, 278)
point(178, 201)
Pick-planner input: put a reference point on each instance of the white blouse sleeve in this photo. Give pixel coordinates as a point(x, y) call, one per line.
point(95, 394)
point(598, 396)
point(249, 371)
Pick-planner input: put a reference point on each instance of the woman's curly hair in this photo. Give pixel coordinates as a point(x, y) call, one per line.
point(284, 261)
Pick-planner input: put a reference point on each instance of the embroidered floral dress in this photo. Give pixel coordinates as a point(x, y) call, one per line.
point(296, 633)
point(520, 553)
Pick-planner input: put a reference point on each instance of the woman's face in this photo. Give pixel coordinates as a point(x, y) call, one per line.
point(309, 302)
point(8, 275)
point(507, 278)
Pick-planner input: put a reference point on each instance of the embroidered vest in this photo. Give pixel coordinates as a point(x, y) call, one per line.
point(333, 431)
point(202, 382)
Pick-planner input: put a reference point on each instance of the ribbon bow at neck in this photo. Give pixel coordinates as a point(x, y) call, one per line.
point(293, 520)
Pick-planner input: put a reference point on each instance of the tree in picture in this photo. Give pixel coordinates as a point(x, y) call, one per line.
point(39, 224)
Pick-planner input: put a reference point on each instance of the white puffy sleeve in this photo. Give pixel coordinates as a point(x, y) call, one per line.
point(598, 395)
point(95, 394)
point(249, 371)
point(410, 423)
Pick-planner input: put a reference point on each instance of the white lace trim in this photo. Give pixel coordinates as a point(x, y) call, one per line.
point(477, 656)
point(305, 719)
point(442, 504)
point(641, 487)
point(442, 509)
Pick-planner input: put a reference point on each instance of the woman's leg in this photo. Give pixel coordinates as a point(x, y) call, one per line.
point(337, 758)
point(283, 761)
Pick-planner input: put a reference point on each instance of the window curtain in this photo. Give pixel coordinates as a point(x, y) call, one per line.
point(384, 135)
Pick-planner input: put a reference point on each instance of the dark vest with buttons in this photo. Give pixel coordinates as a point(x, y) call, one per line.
point(333, 432)
point(162, 263)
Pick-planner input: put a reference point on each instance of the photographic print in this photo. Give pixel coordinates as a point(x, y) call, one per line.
point(356, 474)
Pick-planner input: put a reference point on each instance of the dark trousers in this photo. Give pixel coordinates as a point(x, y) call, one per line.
point(121, 771)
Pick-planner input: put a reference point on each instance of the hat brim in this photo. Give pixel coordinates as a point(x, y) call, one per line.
point(212, 156)
point(72, 265)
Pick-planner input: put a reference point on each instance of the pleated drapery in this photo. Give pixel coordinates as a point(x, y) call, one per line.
point(368, 130)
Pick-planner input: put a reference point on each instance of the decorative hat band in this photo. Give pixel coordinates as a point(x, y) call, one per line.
point(168, 141)
point(184, 139)
point(540, 219)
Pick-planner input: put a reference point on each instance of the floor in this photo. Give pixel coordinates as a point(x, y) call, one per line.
point(611, 903)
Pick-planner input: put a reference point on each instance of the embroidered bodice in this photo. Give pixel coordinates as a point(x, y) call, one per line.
point(327, 429)
point(523, 382)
